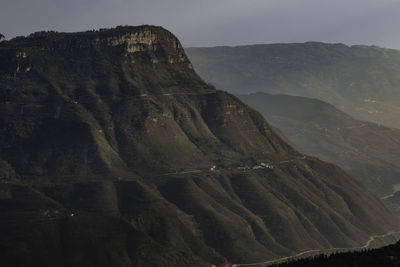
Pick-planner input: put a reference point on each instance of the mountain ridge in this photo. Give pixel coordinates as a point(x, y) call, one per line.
point(346, 76)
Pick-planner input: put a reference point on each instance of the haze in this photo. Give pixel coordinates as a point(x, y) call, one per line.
point(222, 22)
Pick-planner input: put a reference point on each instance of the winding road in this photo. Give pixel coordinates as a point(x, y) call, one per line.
point(318, 251)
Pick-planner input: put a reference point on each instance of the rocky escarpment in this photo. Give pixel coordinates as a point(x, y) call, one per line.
point(157, 46)
point(113, 134)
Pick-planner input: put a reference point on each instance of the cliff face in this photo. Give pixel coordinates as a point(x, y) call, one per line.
point(114, 131)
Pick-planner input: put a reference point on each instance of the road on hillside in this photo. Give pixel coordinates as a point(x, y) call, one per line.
point(207, 170)
point(317, 251)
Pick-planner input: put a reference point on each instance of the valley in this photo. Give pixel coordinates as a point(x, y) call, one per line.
point(360, 80)
point(366, 150)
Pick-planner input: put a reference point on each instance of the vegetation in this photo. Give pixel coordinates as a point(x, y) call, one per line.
point(387, 256)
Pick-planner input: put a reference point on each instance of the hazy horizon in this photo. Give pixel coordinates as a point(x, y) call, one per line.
point(222, 23)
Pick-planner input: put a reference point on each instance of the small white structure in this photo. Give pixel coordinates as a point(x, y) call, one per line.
point(269, 166)
point(2, 38)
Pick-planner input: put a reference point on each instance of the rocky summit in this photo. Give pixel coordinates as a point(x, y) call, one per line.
point(114, 152)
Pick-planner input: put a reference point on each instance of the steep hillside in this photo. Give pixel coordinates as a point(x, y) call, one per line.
point(363, 81)
point(393, 202)
point(368, 151)
point(111, 135)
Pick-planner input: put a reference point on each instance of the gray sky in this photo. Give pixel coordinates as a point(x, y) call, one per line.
point(217, 22)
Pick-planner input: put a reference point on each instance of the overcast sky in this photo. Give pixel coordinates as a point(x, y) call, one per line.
point(217, 22)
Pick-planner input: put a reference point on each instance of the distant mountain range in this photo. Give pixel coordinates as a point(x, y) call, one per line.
point(363, 81)
point(368, 151)
point(114, 152)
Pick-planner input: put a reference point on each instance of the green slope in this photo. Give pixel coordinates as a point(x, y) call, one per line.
point(363, 81)
point(116, 128)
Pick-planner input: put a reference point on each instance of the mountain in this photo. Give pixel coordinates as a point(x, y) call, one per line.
point(367, 151)
point(362, 81)
point(114, 152)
